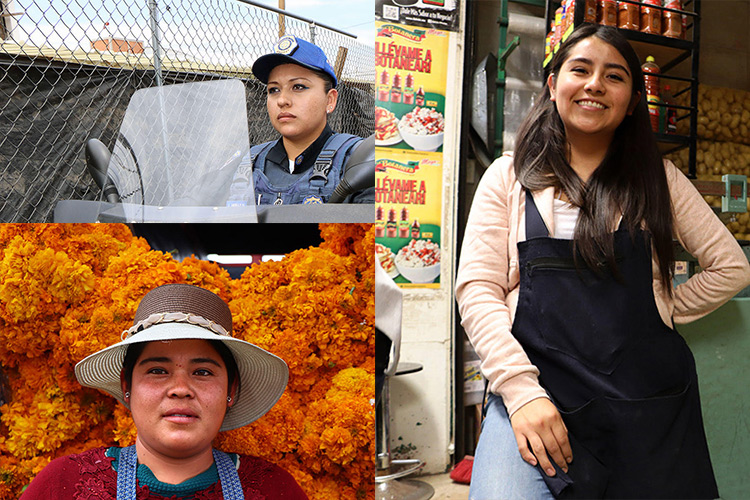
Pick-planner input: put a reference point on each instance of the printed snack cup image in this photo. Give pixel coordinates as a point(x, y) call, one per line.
point(419, 261)
point(422, 129)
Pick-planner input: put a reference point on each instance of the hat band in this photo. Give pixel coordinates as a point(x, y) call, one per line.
point(175, 317)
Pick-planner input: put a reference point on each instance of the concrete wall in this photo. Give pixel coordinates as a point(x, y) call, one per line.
point(720, 343)
point(422, 403)
point(725, 43)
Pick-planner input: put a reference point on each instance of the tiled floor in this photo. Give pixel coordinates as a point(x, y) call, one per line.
point(445, 488)
point(412, 488)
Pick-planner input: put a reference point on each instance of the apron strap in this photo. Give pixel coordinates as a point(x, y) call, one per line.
point(231, 487)
point(126, 474)
point(535, 226)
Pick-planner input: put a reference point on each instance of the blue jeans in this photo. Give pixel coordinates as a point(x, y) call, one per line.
point(499, 472)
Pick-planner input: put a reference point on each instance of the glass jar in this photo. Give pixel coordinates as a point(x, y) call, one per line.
point(606, 12)
point(628, 16)
point(589, 11)
point(650, 17)
point(672, 21)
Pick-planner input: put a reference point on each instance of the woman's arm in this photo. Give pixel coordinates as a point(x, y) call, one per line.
point(481, 291)
point(482, 287)
point(57, 480)
point(725, 269)
point(258, 476)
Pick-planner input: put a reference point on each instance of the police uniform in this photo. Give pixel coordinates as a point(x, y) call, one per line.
point(318, 170)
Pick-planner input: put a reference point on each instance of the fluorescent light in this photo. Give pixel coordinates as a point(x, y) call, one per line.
point(240, 259)
point(230, 259)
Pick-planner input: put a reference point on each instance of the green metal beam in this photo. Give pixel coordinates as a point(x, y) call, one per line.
point(503, 51)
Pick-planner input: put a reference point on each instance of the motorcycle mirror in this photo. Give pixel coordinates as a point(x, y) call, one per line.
point(359, 171)
point(97, 162)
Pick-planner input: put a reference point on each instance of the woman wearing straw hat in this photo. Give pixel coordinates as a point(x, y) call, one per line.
point(307, 162)
point(184, 379)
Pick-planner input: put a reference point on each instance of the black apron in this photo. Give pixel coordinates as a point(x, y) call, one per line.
point(624, 382)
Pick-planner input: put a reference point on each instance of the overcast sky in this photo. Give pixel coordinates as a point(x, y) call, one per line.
point(221, 33)
point(52, 21)
point(353, 16)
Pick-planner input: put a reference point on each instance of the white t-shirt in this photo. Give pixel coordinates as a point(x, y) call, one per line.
point(565, 216)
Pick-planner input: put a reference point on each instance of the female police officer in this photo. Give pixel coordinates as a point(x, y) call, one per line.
point(306, 163)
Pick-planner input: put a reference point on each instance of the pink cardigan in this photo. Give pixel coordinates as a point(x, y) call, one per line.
point(487, 283)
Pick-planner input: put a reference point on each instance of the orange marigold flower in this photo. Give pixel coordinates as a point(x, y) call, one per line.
point(67, 291)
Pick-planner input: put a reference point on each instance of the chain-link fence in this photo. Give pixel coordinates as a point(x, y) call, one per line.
point(69, 67)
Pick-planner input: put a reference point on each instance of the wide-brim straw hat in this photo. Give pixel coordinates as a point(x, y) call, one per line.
point(179, 311)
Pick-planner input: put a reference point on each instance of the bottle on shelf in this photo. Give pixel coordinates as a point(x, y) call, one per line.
point(568, 21)
point(651, 72)
point(589, 11)
point(670, 114)
point(548, 43)
point(606, 12)
point(651, 80)
point(628, 16)
point(672, 21)
point(558, 28)
point(651, 17)
point(564, 20)
point(552, 36)
point(684, 23)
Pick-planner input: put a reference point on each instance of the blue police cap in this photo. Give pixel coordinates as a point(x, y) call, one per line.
point(290, 49)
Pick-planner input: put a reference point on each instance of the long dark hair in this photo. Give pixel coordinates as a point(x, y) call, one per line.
point(630, 179)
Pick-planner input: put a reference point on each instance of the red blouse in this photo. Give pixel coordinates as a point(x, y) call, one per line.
point(90, 476)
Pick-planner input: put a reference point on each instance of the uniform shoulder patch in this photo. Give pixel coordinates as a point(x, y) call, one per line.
point(311, 200)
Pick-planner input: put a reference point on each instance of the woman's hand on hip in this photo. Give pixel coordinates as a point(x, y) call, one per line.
point(539, 431)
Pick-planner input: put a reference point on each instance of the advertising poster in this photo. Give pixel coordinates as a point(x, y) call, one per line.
point(411, 73)
point(408, 207)
point(439, 14)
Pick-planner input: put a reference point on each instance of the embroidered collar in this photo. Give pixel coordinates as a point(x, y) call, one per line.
point(184, 489)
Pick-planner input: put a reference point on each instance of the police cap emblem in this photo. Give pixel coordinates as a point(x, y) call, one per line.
point(286, 45)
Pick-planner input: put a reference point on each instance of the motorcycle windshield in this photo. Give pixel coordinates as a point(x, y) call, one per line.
point(182, 155)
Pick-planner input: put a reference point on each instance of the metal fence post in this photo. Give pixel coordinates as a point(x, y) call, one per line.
point(62, 87)
point(154, 16)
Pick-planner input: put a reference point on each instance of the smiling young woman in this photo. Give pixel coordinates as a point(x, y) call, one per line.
point(565, 290)
point(593, 91)
point(184, 379)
